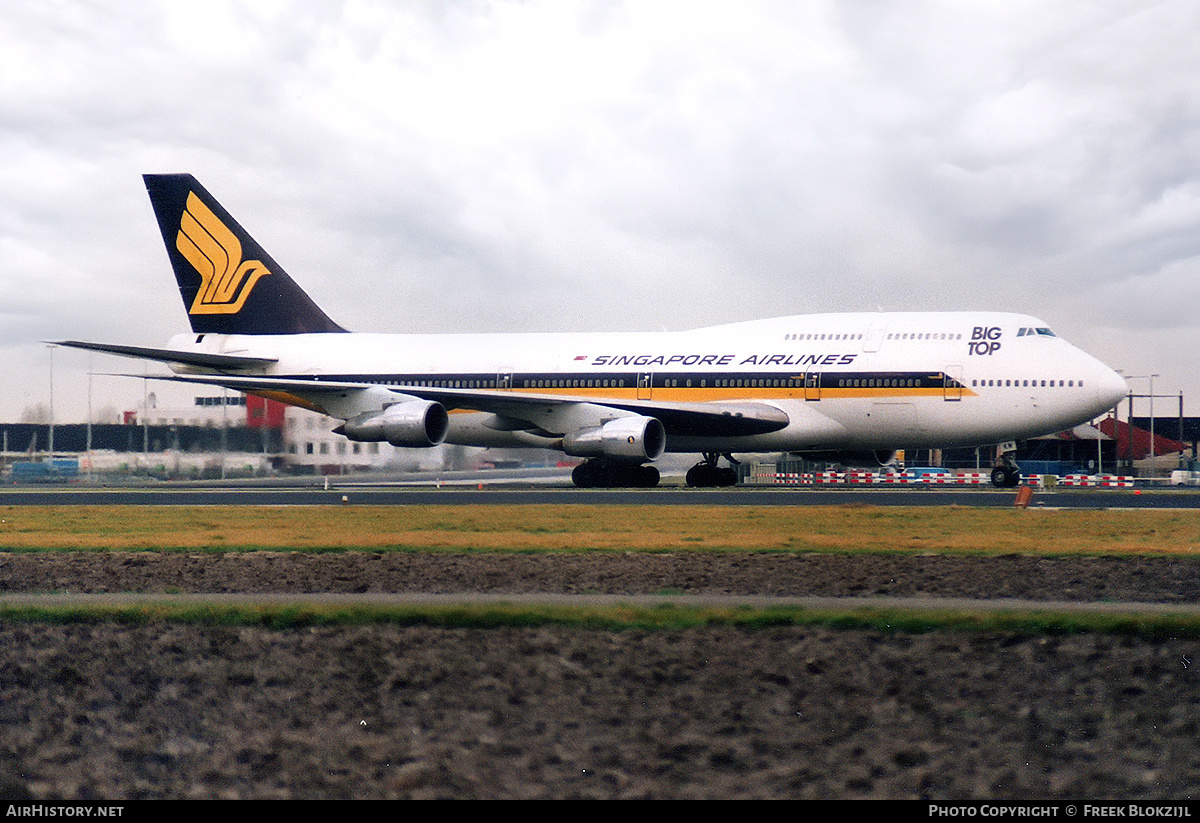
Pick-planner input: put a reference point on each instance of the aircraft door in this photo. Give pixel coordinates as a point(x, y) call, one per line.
point(812, 385)
point(504, 381)
point(645, 385)
point(952, 388)
point(875, 334)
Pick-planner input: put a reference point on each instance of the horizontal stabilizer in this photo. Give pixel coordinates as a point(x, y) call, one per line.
point(188, 358)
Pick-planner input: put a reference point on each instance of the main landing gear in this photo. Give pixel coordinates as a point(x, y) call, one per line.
point(599, 473)
point(707, 474)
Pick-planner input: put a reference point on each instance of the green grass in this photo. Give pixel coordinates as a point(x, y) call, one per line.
point(650, 529)
point(1147, 626)
point(543, 528)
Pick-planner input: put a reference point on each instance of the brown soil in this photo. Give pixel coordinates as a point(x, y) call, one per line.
point(167, 710)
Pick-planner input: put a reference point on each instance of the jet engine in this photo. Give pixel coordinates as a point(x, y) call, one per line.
point(637, 438)
point(418, 423)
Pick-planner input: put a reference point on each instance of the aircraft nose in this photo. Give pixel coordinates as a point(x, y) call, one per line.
point(1111, 388)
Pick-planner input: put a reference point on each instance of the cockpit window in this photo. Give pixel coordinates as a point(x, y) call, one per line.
point(1046, 333)
point(1040, 332)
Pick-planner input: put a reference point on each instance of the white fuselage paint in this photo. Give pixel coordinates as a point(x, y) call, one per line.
point(845, 381)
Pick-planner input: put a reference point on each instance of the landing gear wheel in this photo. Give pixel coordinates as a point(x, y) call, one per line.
point(707, 474)
point(1006, 477)
point(584, 476)
point(648, 477)
point(606, 474)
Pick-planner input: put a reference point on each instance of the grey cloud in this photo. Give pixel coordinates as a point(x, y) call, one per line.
point(553, 165)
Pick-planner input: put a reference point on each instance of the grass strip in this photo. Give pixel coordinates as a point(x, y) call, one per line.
point(956, 530)
point(1147, 626)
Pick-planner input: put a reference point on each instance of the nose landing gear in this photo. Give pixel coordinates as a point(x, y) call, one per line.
point(1006, 474)
point(1006, 477)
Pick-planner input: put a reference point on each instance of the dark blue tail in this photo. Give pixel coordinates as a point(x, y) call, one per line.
point(229, 284)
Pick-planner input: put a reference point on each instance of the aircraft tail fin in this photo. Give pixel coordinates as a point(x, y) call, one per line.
point(229, 284)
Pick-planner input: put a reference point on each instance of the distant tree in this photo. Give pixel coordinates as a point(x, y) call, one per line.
point(37, 413)
point(106, 414)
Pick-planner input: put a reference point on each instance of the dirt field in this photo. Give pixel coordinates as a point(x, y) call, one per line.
point(119, 712)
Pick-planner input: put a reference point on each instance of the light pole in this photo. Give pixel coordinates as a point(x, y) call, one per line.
point(50, 444)
point(1153, 442)
point(89, 419)
point(1153, 445)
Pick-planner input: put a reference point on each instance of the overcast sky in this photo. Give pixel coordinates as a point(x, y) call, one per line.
point(452, 166)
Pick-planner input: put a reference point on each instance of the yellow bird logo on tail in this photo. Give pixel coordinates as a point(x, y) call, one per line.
point(215, 252)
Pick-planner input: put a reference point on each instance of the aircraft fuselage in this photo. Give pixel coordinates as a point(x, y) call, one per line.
point(844, 381)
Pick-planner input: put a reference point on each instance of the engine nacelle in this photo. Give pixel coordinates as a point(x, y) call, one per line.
point(627, 438)
point(850, 459)
point(414, 423)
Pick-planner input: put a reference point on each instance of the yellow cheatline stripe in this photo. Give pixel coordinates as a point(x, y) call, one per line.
point(677, 394)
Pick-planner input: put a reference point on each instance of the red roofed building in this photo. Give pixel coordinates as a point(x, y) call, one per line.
point(1133, 443)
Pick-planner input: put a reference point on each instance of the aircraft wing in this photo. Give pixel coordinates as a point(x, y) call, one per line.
point(187, 358)
point(514, 408)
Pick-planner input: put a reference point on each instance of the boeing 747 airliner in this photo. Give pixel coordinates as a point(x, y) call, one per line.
point(844, 388)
